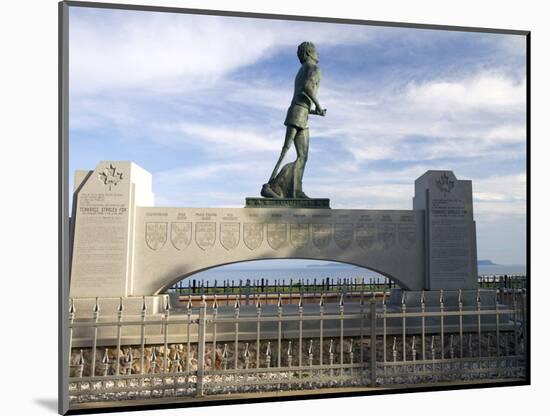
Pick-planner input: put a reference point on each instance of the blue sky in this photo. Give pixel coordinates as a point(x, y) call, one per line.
point(199, 101)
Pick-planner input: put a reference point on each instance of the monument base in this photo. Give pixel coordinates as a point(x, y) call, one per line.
point(255, 202)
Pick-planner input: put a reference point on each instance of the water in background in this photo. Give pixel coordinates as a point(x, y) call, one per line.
point(279, 271)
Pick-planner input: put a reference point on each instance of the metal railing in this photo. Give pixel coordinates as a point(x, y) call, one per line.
point(216, 350)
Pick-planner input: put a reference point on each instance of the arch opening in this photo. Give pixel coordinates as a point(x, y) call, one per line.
point(281, 275)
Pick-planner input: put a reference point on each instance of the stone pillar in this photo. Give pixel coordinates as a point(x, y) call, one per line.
point(450, 232)
point(103, 223)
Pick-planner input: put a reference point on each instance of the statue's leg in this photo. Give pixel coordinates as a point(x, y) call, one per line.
point(301, 141)
point(289, 137)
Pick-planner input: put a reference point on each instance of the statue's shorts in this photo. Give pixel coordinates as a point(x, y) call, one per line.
point(297, 116)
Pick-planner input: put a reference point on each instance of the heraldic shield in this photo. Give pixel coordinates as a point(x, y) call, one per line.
point(253, 235)
point(230, 234)
point(321, 234)
point(407, 235)
point(180, 234)
point(343, 235)
point(276, 235)
point(386, 235)
point(205, 234)
point(156, 234)
point(365, 234)
point(299, 235)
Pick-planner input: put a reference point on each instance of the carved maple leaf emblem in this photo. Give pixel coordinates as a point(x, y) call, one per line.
point(445, 184)
point(110, 177)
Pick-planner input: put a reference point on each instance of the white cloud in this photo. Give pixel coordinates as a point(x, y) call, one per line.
point(222, 138)
point(173, 52)
point(485, 91)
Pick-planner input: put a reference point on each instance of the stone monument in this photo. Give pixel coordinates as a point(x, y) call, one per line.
point(123, 246)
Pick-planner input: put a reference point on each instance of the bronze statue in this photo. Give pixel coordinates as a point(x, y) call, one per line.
point(288, 182)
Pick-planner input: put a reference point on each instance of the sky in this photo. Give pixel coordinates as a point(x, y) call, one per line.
point(199, 101)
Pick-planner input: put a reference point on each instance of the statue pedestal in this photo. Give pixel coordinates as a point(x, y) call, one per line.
point(317, 203)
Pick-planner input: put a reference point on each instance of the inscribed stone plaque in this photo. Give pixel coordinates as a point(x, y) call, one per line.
point(103, 226)
point(450, 229)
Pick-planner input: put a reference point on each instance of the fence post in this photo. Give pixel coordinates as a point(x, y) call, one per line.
point(373, 342)
point(201, 346)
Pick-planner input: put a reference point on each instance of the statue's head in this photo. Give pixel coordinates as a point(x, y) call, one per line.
point(307, 50)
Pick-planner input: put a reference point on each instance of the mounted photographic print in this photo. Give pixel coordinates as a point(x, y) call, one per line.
point(262, 207)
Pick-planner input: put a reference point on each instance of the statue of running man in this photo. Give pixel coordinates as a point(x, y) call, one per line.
point(304, 102)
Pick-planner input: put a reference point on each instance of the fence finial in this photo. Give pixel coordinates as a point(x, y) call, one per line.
point(225, 354)
point(166, 305)
point(144, 305)
point(189, 304)
point(322, 300)
point(246, 353)
point(403, 297)
point(341, 303)
point(280, 301)
point(478, 297)
point(258, 303)
point(350, 346)
point(120, 308)
point(460, 297)
point(441, 299)
point(331, 347)
point(422, 298)
point(72, 309)
point(237, 303)
point(310, 349)
point(96, 305)
point(301, 301)
point(215, 303)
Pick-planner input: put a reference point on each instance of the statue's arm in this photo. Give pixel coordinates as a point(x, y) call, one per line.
point(311, 86)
